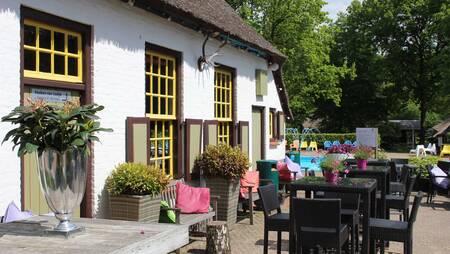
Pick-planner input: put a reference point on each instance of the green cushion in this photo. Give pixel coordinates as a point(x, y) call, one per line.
point(166, 216)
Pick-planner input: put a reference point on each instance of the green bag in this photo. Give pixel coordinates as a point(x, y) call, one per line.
point(166, 216)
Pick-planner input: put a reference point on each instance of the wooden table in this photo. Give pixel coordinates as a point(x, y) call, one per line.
point(366, 187)
point(382, 175)
point(99, 237)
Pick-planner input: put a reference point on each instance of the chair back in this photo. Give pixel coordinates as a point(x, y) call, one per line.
point(317, 213)
point(393, 171)
point(378, 163)
point(348, 200)
point(268, 195)
point(169, 194)
point(415, 209)
point(404, 174)
point(327, 144)
point(409, 187)
point(336, 143)
point(348, 142)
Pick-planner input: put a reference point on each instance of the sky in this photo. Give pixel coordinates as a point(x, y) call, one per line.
point(335, 6)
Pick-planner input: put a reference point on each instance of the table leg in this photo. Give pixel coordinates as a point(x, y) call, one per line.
point(373, 203)
point(366, 214)
point(382, 208)
point(292, 243)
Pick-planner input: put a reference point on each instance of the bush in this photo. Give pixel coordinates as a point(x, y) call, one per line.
point(136, 179)
point(222, 161)
point(422, 163)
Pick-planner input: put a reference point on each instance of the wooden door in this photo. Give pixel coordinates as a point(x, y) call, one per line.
point(257, 136)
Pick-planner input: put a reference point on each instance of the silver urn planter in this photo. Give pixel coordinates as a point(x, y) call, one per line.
point(62, 177)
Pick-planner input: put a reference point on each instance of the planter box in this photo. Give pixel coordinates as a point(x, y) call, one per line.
point(135, 208)
point(228, 201)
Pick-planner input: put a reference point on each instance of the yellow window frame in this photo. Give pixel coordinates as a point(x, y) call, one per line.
point(223, 104)
point(53, 76)
point(160, 159)
point(160, 97)
point(270, 124)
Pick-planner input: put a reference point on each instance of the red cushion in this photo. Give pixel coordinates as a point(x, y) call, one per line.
point(284, 172)
point(251, 178)
point(192, 199)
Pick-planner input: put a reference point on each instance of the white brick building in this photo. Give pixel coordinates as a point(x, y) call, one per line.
point(100, 51)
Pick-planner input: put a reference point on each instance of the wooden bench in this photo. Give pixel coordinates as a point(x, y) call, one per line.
point(170, 195)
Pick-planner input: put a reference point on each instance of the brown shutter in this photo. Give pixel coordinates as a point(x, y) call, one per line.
point(280, 125)
point(210, 133)
point(193, 144)
point(244, 141)
point(138, 139)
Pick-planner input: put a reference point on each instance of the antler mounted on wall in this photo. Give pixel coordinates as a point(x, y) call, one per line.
point(206, 61)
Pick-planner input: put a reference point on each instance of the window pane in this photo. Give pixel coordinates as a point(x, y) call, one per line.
point(44, 38)
point(166, 128)
point(152, 130)
point(29, 35)
point(147, 63)
point(167, 167)
point(147, 83)
point(160, 148)
point(59, 62)
point(163, 106)
point(155, 85)
point(30, 60)
point(163, 86)
point(147, 104)
point(72, 44)
point(159, 125)
point(73, 66)
point(44, 62)
point(59, 41)
point(170, 105)
point(152, 150)
point(163, 67)
point(166, 148)
point(155, 105)
point(170, 68)
point(155, 62)
point(170, 87)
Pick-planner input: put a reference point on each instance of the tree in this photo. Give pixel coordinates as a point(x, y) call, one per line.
point(413, 38)
point(299, 29)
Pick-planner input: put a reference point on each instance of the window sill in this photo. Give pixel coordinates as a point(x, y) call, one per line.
point(274, 143)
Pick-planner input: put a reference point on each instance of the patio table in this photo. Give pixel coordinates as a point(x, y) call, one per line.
point(382, 175)
point(366, 187)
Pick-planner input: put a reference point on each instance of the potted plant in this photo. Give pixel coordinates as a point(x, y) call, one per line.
point(340, 152)
point(134, 192)
point(61, 137)
point(331, 168)
point(223, 166)
point(361, 154)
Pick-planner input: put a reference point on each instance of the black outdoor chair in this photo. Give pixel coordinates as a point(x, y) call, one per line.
point(349, 214)
point(274, 219)
point(433, 188)
point(400, 186)
point(318, 224)
point(401, 202)
point(397, 231)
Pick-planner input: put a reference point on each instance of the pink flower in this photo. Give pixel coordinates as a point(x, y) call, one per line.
point(346, 171)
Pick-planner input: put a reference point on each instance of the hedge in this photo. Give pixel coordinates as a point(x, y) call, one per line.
point(320, 138)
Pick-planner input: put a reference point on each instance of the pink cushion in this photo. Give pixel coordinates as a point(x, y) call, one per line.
point(192, 199)
point(251, 178)
point(284, 172)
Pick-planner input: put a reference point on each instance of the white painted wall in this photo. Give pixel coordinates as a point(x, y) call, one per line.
point(120, 33)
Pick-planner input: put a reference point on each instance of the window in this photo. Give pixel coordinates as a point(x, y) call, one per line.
point(271, 125)
point(160, 107)
point(223, 95)
point(52, 53)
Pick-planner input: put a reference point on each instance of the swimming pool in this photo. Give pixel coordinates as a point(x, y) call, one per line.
point(305, 161)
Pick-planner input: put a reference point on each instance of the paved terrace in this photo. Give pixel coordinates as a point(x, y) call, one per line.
point(431, 233)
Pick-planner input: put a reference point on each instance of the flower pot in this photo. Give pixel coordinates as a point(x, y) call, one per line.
point(62, 177)
point(337, 156)
point(228, 190)
point(331, 177)
point(362, 164)
point(135, 207)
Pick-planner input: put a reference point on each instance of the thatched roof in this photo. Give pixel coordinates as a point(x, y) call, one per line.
point(211, 16)
point(441, 128)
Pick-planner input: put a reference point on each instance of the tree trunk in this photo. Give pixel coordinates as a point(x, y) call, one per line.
point(423, 114)
point(217, 238)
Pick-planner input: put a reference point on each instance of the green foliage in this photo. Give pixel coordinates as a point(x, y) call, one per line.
point(299, 28)
point(43, 126)
point(222, 161)
point(362, 152)
point(422, 163)
point(136, 179)
point(320, 138)
point(330, 164)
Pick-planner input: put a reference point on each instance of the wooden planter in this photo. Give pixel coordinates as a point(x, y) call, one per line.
point(228, 201)
point(135, 208)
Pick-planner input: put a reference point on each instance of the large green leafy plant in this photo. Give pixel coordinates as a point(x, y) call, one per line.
point(136, 179)
point(222, 161)
point(422, 163)
point(43, 126)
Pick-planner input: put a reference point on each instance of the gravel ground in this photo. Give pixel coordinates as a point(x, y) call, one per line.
point(431, 233)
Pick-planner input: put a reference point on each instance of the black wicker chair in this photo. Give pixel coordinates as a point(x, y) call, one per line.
point(400, 186)
point(349, 214)
point(274, 219)
point(434, 188)
point(401, 202)
point(397, 231)
point(318, 223)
